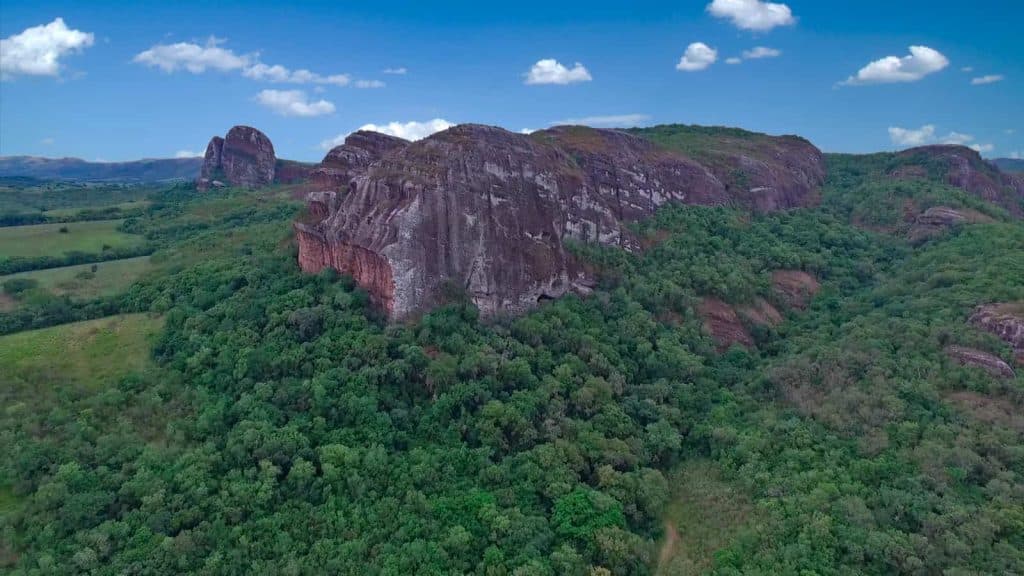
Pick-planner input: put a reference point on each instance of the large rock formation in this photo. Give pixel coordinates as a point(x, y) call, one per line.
point(965, 169)
point(490, 212)
point(1005, 320)
point(245, 158)
point(353, 157)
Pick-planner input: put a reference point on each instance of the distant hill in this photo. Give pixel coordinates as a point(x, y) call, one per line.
point(1010, 164)
point(148, 170)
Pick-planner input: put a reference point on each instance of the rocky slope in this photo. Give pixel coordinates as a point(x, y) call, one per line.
point(964, 168)
point(491, 212)
point(244, 157)
point(345, 162)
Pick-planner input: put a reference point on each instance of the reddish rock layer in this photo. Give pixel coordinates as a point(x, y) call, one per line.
point(795, 288)
point(722, 324)
point(245, 158)
point(345, 162)
point(490, 212)
point(369, 270)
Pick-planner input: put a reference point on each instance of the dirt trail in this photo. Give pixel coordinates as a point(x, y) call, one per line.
point(668, 548)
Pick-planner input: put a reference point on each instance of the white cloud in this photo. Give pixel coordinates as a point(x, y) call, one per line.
point(989, 79)
point(752, 14)
point(1010, 131)
point(293, 103)
point(527, 130)
point(192, 57)
point(967, 69)
point(1016, 155)
point(279, 74)
point(48, 141)
point(761, 52)
point(212, 56)
point(698, 56)
point(408, 130)
point(921, 62)
point(755, 53)
point(618, 120)
point(399, 71)
point(911, 137)
point(37, 51)
point(550, 71)
point(369, 84)
point(187, 154)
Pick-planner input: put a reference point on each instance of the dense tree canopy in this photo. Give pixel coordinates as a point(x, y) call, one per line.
point(285, 428)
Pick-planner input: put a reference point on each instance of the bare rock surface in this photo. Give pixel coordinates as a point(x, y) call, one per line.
point(987, 362)
point(492, 213)
point(795, 288)
point(966, 169)
point(723, 324)
point(1005, 320)
point(352, 158)
point(244, 157)
point(938, 219)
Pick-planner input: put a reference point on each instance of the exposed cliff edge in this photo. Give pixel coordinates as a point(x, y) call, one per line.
point(491, 212)
point(964, 168)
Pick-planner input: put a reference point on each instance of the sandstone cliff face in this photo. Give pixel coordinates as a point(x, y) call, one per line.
point(490, 212)
point(965, 169)
point(760, 172)
point(245, 158)
point(345, 162)
point(291, 172)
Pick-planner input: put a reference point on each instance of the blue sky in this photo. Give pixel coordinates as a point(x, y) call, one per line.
point(150, 79)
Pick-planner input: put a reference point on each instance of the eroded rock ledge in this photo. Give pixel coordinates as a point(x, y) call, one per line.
point(491, 212)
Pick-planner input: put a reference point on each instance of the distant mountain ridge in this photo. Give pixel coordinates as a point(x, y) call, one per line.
point(146, 170)
point(1009, 164)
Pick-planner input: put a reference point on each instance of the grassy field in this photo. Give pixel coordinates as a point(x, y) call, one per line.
point(48, 240)
point(68, 212)
point(706, 515)
point(80, 282)
point(82, 355)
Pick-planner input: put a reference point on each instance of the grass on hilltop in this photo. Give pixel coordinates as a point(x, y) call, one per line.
point(48, 240)
point(84, 281)
point(82, 355)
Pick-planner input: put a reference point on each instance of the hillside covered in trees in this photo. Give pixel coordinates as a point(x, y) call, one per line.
point(225, 413)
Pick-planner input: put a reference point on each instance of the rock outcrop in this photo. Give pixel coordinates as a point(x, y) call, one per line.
point(965, 169)
point(292, 172)
point(987, 362)
point(490, 212)
point(244, 158)
point(353, 157)
point(794, 288)
point(938, 219)
point(722, 324)
point(1005, 320)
